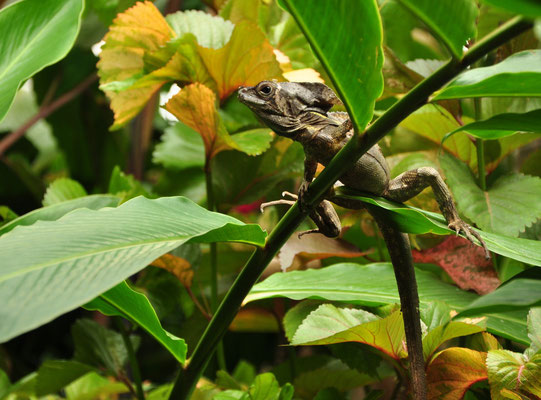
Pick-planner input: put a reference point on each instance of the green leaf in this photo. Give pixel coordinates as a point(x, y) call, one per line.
point(327, 320)
point(253, 142)
point(265, 387)
point(451, 20)
point(434, 122)
point(50, 268)
point(63, 189)
point(507, 207)
point(375, 285)
point(438, 336)
point(509, 370)
point(33, 38)
point(530, 8)
point(514, 294)
point(92, 386)
point(386, 334)
point(180, 147)
point(517, 75)
point(210, 31)
point(52, 213)
point(414, 220)
point(435, 313)
point(53, 375)
point(502, 125)
point(354, 62)
point(126, 302)
point(534, 328)
point(125, 186)
point(98, 346)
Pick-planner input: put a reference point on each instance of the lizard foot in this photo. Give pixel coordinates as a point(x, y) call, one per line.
point(460, 226)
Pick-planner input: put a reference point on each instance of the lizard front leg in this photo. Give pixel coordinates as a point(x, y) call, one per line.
point(323, 215)
point(310, 167)
point(410, 183)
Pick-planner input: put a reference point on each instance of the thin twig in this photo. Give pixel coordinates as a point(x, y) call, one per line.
point(44, 112)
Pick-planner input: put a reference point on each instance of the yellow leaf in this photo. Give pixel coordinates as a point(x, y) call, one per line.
point(195, 106)
point(139, 30)
point(179, 267)
point(303, 75)
point(247, 59)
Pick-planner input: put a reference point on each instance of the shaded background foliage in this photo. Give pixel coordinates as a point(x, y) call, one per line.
point(221, 157)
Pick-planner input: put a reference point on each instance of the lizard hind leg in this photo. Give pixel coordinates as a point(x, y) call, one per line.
point(410, 183)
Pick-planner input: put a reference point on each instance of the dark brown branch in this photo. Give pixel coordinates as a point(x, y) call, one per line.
point(44, 112)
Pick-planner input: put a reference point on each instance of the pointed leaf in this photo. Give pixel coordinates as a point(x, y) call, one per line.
point(195, 106)
point(245, 60)
point(438, 336)
point(453, 371)
point(327, 320)
point(53, 375)
point(180, 147)
point(515, 294)
point(509, 370)
point(63, 189)
point(452, 21)
point(386, 335)
point(531, 8)
point(52, 267)
point(210, 31)
point(265, 387)
point(138, 31)
point(127, 303)
point(414, 220)
point(354, 63)
point(374, 285)
point(517, 75)
point(534, 328)
point(434, 122)
point(501, 125)
point(435, 313)
point(507, 207)
point(33, 38)
point(178, 266)
point(52, 213)
point(92, 386)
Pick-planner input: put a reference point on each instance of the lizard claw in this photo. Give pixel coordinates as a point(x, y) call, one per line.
point(460, 226)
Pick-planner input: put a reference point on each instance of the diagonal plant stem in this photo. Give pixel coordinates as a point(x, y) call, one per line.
point(357, 146)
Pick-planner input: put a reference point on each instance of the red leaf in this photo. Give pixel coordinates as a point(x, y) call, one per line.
point(464, 262)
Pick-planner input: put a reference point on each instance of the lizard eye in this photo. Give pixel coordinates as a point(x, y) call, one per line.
point(265, 89)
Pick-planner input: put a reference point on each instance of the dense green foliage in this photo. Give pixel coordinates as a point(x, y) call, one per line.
point(129, 206)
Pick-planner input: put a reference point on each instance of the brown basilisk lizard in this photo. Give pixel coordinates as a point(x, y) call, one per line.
point(301, 112)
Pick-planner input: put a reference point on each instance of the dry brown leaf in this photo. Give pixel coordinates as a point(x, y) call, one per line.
point(178, 266)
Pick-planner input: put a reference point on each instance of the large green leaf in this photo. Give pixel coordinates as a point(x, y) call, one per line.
point(433, 122)
point(52, 267)
point(517, 75)
point(414, 220)
point(354, 62)
point(530, 8)
point(509, 205)
point(453, 21)
point(502, 125)
point(513, 371)
point(52, 213)
point(33, 38)
point(516, 294)
point(375, 285)
point(125, 302)
point(385, 334)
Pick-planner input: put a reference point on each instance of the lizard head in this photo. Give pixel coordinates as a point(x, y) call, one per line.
point(287, 107)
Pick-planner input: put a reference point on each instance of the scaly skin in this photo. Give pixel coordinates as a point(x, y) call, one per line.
point(300, 111)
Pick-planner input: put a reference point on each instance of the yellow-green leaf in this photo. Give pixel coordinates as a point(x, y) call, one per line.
point(453, 371)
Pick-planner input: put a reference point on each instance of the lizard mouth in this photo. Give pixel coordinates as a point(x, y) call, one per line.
point(246, 95)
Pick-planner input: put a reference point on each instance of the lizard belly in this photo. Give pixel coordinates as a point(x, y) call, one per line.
point(369, 174)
